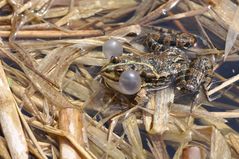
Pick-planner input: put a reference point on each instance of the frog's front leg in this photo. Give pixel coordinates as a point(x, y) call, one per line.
point(207, 85)
point(142, 98)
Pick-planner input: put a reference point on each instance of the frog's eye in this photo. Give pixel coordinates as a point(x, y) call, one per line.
point(114, 59)
point(148, 75)
point(119, 69)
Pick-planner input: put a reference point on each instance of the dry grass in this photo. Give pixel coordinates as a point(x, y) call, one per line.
point(55, 105)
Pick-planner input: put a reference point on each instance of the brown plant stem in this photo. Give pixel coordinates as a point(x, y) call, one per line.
point(10, 122)
point(71, 121)
point(52, 33)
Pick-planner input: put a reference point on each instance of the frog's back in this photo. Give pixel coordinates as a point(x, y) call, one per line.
point(169, 62)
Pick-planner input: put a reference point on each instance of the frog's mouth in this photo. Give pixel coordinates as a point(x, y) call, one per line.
point(113, 83)
point(110, 76)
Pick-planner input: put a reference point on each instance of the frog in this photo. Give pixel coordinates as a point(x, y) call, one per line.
point(157, 71)
point(171, 67)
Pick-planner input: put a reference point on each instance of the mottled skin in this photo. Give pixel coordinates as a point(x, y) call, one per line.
point(199, 72)
point(158, 71)
point(166, 64)
point(158, 41)
point(155, 70)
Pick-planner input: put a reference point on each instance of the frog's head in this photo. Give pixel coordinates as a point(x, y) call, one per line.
point(112, 74)
point(114, 68)
point(112, 71)
point(131, 71)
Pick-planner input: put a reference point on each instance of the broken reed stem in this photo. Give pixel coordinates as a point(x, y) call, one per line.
point(62, 133)
point(224, 84)
point(226, 114)
point(52, 33)
point(3, 3)
point(158, 122)
point(71, 121)
point(192, 152)
point(3, 149)
point(10, 122)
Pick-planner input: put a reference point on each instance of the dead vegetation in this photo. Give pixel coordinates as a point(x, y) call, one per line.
point(54, 104)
